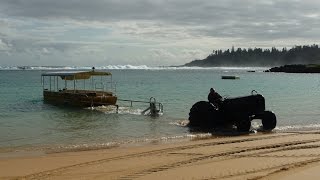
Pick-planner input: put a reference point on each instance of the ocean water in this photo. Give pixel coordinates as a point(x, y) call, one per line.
point(27, 123)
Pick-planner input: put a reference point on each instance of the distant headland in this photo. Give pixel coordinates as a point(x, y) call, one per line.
point(308, 54)
point(297, 68)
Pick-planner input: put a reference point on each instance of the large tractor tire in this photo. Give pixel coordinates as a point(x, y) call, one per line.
point(269, 120)
point(243, 124)
point(202, 115)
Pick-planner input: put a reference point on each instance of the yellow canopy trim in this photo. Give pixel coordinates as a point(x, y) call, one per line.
point(84, 75)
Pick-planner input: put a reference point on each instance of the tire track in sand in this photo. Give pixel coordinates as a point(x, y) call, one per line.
point(274, 170)
point(225, 155)
point(53, 172)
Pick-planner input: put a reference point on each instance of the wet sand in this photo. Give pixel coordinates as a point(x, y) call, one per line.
point(293, 155)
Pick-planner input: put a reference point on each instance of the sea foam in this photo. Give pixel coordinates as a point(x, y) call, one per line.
point(127, 67)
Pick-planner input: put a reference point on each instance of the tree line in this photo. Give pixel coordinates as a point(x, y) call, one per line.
point(308, 54)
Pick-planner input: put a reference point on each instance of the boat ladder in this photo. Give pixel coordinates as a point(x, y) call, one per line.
point(155, 108)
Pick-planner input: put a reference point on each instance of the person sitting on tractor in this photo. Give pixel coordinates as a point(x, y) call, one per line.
point(214, 98)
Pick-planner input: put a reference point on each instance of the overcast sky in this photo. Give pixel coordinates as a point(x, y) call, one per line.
point(147, 32)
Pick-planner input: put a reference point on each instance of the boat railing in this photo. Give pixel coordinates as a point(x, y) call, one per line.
point(155, 108)
point(99, 86)
point(109, 86)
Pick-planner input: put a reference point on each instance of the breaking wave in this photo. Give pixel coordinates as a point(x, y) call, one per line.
point(298, 127)
point(124, 67)
point(121, 110)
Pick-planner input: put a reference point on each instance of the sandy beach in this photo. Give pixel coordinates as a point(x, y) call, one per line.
point(292, 155)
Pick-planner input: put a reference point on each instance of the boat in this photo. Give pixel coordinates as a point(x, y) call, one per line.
point(230, 77)
point(79, 88)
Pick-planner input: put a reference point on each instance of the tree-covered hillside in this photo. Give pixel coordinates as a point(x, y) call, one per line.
point(260, 57)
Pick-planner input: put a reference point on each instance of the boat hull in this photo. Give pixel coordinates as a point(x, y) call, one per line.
point(80, 99)
point(230, 77)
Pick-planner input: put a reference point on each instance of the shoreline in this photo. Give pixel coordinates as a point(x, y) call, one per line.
point(252, 156)
point(191, 136)
point(33, 150)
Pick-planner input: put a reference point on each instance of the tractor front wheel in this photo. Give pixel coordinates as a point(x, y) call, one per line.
point(269, 120)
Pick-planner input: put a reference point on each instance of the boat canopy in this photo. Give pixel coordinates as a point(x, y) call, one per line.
point(75, 75)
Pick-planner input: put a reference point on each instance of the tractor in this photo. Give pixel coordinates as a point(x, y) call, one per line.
point(237, 111)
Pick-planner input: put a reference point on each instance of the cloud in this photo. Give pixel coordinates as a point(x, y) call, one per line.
point(137, 30)
point(162, 53)
point(5, 46)
point(218, 18)
point(195, 53)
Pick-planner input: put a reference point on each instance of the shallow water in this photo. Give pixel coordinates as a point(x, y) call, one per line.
point(26, 122)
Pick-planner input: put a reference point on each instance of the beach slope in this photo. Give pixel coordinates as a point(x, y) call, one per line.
point(256, 156)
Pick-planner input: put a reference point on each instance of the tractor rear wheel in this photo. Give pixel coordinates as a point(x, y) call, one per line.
point(201, 115)
point(243, 124)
